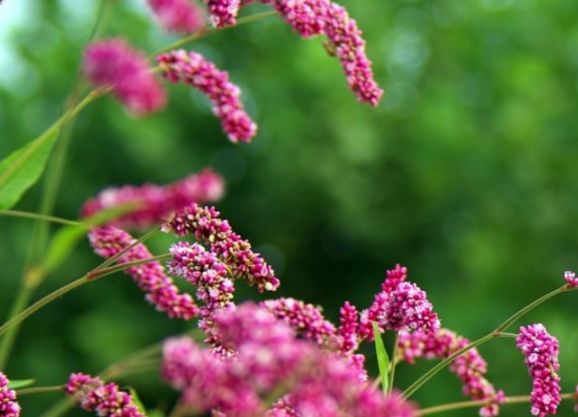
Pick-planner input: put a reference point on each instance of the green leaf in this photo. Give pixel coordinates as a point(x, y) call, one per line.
point(64, 241)
point(136, 400)
point(155, 413)
point(382, 358)
point(20, 383)
point(23, 167)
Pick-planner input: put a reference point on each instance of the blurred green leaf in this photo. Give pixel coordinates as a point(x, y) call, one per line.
point(22, 168)
point(382, 358)
point(137, 401)
point(20, 383)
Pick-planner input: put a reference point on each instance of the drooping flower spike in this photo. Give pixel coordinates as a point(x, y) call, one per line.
point(154, 203)
point(105, 399)
point(541, 351)
point(9, 406)
point(114, 63)
point(193, 69)
point(469, 367)
point(182, 16)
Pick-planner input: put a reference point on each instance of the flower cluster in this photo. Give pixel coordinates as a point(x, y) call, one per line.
point(207, 227)
point(108, 241)
point(154, 203)
point(469, 367)
point(541, 350)
point(107, 400)
point(268, 360)
point(9, 406)
point(400, 305)
point(192, 68)
point(347, 331)
point(182, 16)
point(571, 279)
point(223, 12)
point(113, 63)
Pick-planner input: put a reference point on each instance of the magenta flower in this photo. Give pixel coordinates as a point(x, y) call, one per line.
point(223, 12)
point(106, 400)
point(347, 331)
point(469, 367)
point(541, 350)
point(114, 63)
point(183, 16)
point(108, 241)
point(9, 406)
point(192, 68)
point(571, 279)
point(207, 227)
point(154, 203)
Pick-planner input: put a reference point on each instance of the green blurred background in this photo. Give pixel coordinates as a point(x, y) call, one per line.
point(466, 172)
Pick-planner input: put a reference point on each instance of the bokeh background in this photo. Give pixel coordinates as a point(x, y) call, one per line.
point(466, 173)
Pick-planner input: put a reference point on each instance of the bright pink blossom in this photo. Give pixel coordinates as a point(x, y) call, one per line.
point(541, 351)
point(154, 203)
point(223, 12)
point(469, 367)
point(160, 290)
point(106, 400)
point(192, 68)
point(207, 227)
point(347, 331)
point(114, 63)
point(183, 16)
point(571, 279)
point(9, 406)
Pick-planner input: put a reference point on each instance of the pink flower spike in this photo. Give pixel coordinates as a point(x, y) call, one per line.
point(571, 279)
point(114, 63)
point(106, 400)
point(107, 241)
point(9, 406)
point(541, 351)
point(192, 68)
point(223, 12)
point(347, 331)
point(154, 203)
point(182, 16)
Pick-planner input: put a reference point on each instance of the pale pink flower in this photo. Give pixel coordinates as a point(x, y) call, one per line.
point(183, 16)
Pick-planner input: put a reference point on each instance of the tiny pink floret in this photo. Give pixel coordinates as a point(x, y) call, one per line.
point(571, 279)
point(114, 63)
point(9, 406)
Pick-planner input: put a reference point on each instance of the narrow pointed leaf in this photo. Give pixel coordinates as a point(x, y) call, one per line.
point(22, 168)
point(382, 358)
point(20, 383)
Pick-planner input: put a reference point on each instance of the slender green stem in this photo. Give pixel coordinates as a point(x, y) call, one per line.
point(140, 240)
point(39, 390)
point(19, 304)
point(517, 399)
point(95, 273)
point(205, 32)
point(392, 362)
point(36, 216)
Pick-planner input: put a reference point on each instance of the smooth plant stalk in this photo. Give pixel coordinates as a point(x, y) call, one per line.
point(140, 240)
point(498, 332)
point(36, 216)
point(40, 390)
point(120, 267)
point(393, 362)
point(516, 399)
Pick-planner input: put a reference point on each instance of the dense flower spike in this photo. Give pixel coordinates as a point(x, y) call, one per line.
point(204, 223)
point(183, 16)
point(571, 279)
point(204, 270)
point(469, 367)
point(400, 305)
point(115, 64)
point(107, 400)
point(192, 68)
point(108, 241)
point(268, 361)
point(223, 12)
point(9, 406)
point(541, 350)
point(306, 319)
point(347, 331)
point(154, 203)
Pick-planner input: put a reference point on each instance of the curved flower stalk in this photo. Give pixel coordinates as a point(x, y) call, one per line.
point(183, 16)
point(541, 351)
point(270, 362)
point(469, 367)
point(400, 305)
point(160, 290)
point(193, 69)
point(207, 227)
point(114, 63)
point(9, 406)
point(106, 400)
point(154, 203)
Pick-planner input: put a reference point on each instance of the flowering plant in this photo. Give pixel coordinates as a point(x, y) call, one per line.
point(277, 357)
